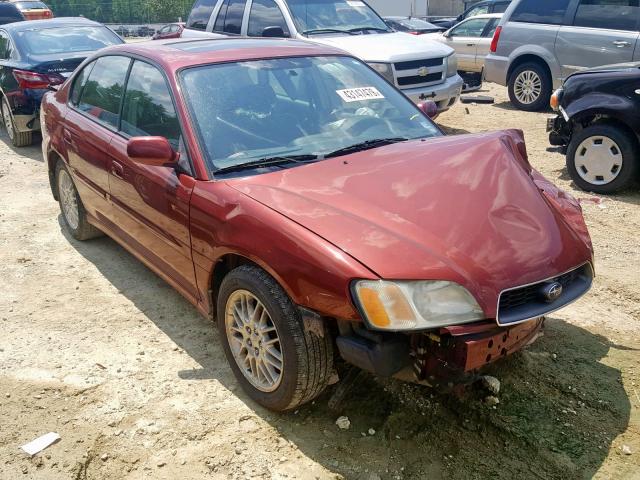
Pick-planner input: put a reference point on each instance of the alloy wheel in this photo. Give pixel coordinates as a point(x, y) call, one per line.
point(527, 87)
point(6, 116)
point(254, 341)
point(68, 199)
point(598, 160)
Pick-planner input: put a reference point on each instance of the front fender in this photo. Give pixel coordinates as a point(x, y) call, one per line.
point(600, 103)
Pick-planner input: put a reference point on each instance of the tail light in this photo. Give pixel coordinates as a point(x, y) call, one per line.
point(413, 33)
point(496, 39)
point(34, 80)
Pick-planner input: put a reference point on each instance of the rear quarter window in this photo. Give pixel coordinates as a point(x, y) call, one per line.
point(200, 14)
point(541, 11)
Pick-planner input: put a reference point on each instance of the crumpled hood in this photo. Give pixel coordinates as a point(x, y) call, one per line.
point(463, 208)
point(385, 47)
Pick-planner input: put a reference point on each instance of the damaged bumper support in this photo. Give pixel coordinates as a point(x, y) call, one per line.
point(449, 353)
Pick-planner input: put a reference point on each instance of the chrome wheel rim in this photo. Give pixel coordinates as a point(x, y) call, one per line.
point(6, 116)
point(254, 341)
point(68, 199)
point(598, 160)
point(527, 87)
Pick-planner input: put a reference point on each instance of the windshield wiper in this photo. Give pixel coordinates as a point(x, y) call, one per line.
point(268, 162)
point(366, 145)
point(327, 30)
point(364, 29)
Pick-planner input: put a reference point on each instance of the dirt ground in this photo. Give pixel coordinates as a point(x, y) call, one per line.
point(97, 348)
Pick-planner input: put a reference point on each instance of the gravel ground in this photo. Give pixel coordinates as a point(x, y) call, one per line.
point(97, 348)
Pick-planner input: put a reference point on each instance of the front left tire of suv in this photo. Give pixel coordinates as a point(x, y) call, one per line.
point(18, 139)
point(603, 158)
point(530, 87)
point(277, 361)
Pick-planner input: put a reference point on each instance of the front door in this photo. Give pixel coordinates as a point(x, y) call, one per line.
point(603, 32)
point(464, 38)
point(152, 203)
point(90, 124)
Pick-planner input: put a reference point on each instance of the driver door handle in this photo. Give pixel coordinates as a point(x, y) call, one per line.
point(117, 170)
point(621, 43)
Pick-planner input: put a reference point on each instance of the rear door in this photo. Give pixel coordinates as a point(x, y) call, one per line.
point(464, 39)
point(602, 32)
point(90, 124)
point(151, 204)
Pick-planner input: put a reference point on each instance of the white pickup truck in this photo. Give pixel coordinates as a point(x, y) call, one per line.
point(422, 69)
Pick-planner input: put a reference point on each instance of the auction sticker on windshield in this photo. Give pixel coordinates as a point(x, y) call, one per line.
point(359, 94)
point(355, 3)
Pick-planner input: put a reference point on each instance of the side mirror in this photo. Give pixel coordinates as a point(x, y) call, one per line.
point(446, 33)
point(429, 108)
point(152, 151)
point(274, 32)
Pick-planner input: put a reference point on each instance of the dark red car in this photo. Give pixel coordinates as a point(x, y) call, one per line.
point(291, 193)
point(171, 30)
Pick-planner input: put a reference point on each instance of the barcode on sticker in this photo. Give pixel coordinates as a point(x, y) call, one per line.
point(358, 94)
point(355, 3)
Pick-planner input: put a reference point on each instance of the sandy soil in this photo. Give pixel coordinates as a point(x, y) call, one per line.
point(97, 348)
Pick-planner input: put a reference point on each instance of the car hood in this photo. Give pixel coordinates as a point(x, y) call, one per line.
point(465, 209)
point(385, 47)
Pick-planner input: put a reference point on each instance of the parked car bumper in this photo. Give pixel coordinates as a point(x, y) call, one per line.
point(559, 131)
point(495, 69)
point(445, 94)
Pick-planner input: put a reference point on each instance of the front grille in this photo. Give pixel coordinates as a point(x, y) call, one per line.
point(522, 303)
point(432, 77)
point(411, 73)
point(415, 64)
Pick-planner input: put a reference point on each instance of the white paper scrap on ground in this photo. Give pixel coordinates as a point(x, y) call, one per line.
point(40, 443)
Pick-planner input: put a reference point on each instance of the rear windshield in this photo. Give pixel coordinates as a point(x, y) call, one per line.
point(30, 5)
point(541, 11)
point(416, 24)
point(66, 40)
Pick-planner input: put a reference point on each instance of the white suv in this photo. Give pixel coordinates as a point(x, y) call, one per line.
point(422, 69)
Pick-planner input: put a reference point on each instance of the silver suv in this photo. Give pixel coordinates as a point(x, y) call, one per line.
point(540, 42)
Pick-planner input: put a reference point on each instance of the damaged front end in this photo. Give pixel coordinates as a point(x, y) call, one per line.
point(450, 354)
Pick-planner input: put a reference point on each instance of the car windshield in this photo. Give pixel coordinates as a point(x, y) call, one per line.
point(66, 39)
point(316, 16)
point(296, 108)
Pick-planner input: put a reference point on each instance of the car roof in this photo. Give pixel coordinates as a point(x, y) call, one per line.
point(176, 54)
point(50, 23)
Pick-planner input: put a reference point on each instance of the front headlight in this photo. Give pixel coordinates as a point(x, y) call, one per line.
point(384, 69)
point(414, 305)
point(452, 65)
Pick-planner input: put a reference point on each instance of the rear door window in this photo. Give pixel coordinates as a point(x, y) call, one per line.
point(230, 17)
point(541, 11)
point(609, 14)
point(265, 13)
point(200, 14)
point(102, 93)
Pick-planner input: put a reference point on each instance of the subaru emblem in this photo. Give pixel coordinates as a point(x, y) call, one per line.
point(551, 291)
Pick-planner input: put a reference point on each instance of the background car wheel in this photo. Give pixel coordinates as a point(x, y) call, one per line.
point(530, 87)
point(277, 361)
point(18, 139)
point(603, 158)
point(73, 212)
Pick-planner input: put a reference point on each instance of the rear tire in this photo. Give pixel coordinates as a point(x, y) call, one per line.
point(73, 212)
point(530, 87)
point(306, 357)
point(603, 159)
point(18, 139)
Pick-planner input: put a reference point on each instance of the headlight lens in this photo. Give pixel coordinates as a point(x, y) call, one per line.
point(556, 98)
point(385, 70)
point(452, 65)
point(415, 305)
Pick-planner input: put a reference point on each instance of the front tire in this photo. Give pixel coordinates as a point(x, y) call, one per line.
point(603, 159)
point(18, 139)
point(277, 361)
point(530, 87)
point(73, 212)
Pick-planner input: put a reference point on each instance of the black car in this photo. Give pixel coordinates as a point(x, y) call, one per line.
point(412, 25)
point(599, 126)
point(479, 8)
point(36, 55)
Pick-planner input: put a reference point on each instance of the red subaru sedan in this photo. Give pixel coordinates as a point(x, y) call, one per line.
point(294, 196)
